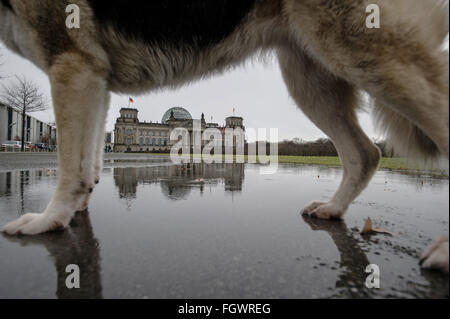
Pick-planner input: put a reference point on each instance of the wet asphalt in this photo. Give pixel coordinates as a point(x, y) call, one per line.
point(159, 230)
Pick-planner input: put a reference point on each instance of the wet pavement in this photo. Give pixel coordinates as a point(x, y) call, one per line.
point(157, 230)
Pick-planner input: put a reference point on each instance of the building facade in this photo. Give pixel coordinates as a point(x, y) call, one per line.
point(131, 135)
point(35, 131)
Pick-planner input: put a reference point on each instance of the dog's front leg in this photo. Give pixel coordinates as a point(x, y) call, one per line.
point(79, 95)
point(101, 128)
point(98, 132)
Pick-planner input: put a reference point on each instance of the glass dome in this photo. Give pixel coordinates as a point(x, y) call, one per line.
point(178, 112)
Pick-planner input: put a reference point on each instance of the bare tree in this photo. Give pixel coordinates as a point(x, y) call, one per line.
point(24, 96)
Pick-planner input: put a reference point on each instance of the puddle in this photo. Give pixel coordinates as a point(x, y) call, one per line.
point(156, 230)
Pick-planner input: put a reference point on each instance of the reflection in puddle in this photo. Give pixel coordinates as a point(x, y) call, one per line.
point(76, 245)
point(177, 181)
point(353, 260)
point(222, 231)
point(18, 183)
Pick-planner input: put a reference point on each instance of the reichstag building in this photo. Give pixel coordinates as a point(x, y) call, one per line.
point(131, 135)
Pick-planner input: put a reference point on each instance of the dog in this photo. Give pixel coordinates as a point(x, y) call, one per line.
point(327, 55)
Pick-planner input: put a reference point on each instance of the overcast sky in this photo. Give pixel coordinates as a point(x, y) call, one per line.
point(256, 91)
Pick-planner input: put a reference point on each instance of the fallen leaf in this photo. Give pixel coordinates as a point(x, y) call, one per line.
point(368, 228)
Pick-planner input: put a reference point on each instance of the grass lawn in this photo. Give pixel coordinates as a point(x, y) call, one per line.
point(386, 163)
point(389, 163)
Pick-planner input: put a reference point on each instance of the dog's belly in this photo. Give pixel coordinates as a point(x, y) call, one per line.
point(148, 67)
point(163, 43)
point(194, 23)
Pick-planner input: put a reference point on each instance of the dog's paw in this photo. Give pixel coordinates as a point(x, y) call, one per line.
point(324, 210)
point(311, 207)
point(436, 256)
point(33, 224)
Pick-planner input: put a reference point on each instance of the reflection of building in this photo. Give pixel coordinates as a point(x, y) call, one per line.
point(9, 184)
point(234, 176)
point(19, 183)
point(177, 181)
point(130, 135)
point(13, 182)
point(35, 130)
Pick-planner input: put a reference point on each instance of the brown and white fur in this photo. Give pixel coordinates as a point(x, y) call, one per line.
point(327, 56)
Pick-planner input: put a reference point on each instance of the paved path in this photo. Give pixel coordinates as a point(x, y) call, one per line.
point(20, 161)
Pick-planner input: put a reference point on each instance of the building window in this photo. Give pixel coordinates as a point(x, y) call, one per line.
point(129, 132)
point(159, 142)
point(147, 141)
point(129, 141)
point(153, 141)
point(141, 141)
point(165, 142)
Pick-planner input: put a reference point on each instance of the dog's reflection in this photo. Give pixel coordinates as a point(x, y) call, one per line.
point(75, 245)
point(353, 260)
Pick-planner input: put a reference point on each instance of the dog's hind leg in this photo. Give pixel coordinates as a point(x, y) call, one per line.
point(79, 92)
point(401, 65)
point(330, 103)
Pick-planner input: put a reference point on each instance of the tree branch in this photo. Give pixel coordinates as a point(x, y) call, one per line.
point(24, 94)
